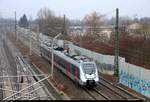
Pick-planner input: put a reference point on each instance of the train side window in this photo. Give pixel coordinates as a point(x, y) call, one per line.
point(65, 64)
point(62, 62)
point(78, 72)
point(59, 61)
point(72, 69)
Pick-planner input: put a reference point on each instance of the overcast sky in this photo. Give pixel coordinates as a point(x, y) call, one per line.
point(75, 9)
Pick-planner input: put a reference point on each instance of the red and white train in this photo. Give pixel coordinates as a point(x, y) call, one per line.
point(79, 68)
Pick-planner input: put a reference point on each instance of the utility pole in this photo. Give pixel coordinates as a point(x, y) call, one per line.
point(30, 43)
point(80, 38)
point(16, 27)
point(38, 36)
point(116, 60)
point(64, 26)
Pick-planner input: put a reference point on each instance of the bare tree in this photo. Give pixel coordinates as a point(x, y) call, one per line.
point(145, 21)
point(49, 23)
point(44, 17)
point(92, 22)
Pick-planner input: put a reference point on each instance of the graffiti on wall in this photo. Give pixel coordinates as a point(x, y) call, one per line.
point(140, 85)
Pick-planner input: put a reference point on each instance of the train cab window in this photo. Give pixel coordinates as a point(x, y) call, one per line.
point(78, 72)
point(89, 68)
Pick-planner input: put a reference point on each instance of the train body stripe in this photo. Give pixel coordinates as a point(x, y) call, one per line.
point(76, 73)
point(67, 69)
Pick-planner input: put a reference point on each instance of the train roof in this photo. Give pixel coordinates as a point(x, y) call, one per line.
point(63, 53)
point(80, 58)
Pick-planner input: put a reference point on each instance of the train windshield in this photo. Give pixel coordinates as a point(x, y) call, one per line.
point(89, 68)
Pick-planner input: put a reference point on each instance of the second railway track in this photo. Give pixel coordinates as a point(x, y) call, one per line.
point(30, 93)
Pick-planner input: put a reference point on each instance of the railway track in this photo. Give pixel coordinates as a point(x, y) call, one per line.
point(47, 86)
point(4, 67)
point(47, 83)
point(25, 39)
point(11, 71)
point(117, 90)
point(1, 84)
point(36, 92)
point(25, 71)
point(94, 94)
point(102, 93)
point(106, 91)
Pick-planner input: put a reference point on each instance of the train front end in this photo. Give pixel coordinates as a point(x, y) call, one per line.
point(89, 74)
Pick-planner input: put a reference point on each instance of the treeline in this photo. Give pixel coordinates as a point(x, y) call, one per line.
point(23, 22)
point(51, 24)
point(47, 23)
